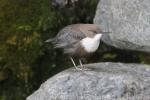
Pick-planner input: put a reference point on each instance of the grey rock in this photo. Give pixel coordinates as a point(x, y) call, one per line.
point(100, 81)
point(129, 22)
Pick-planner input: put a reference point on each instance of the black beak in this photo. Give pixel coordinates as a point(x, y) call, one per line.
point(105, 32)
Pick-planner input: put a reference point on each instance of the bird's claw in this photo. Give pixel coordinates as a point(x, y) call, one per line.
point(78, 68)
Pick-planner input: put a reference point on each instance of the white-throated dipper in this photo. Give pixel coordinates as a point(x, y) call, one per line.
point(78, 40)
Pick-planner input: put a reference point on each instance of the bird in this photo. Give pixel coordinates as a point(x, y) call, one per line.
point(78, 41)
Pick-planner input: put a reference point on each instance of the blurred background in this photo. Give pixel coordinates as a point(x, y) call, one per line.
point(25, 60)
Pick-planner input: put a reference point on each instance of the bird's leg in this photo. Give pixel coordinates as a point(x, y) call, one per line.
point(80, 63)
point(74, 63)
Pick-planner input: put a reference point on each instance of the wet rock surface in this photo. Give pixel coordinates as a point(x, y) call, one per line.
point(105, 81)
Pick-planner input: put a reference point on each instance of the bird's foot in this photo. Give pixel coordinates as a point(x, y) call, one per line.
point(81, 67)
point(78, 68)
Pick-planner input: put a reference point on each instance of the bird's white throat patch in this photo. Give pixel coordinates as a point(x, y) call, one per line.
point(91, 44)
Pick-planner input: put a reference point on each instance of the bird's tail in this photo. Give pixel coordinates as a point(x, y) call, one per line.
point(49, 40)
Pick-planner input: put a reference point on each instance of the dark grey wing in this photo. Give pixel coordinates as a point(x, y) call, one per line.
point(68, 37)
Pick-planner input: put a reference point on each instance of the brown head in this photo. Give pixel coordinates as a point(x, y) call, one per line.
point(90, 27)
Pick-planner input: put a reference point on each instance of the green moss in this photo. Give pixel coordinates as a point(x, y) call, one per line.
point(25, 61)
